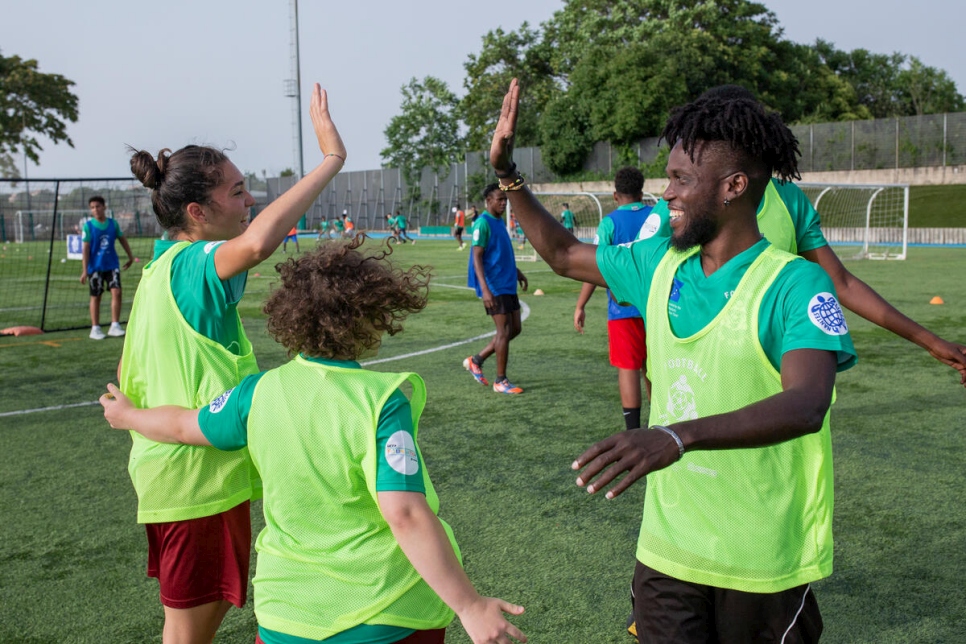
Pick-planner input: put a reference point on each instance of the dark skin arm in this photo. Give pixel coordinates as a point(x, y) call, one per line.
point(860, 298)
point(481, 277)
point(130, 255)
point(808, 376)
point(558, 247)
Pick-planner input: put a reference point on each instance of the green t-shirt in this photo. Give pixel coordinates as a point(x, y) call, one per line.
point(567, 218)
point(805, 219)
point(401, 222)
point(205, 300)
point(225, 424)
point(794, 312)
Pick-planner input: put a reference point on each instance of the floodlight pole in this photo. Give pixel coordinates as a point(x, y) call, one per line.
point(300, 158)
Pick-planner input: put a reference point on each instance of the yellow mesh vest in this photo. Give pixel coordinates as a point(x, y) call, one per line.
point(327, 560)
point(775, 222)
point(756, 520)
point(166, 362)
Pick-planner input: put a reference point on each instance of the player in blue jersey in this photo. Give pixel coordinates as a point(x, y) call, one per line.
point(631, 221)
point(101, 266)
point(493, 273)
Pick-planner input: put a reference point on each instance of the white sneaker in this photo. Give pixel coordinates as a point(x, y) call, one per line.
point(97, 333)
point(115, 331)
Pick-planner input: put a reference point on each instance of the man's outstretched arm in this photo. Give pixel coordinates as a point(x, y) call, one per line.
point(558, 247)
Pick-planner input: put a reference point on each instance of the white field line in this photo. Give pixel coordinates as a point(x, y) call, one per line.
point(524, 314)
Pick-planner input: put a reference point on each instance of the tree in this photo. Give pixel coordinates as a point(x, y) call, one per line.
point(518, 54)
point(32, 104)
point(427, 132)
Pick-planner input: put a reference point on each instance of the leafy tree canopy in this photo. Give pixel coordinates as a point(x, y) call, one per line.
point(427, 132)
point(32, 104)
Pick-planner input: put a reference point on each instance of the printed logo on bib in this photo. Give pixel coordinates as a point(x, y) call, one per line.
point(825, 313)
point(211, 245)
point(651, 225)
point(680, 401)
point(219, 403)
point(401, 453)
point(476, 234)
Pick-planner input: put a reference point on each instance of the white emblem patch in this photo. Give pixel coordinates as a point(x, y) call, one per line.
point(210, 246)
point(825, 313)
point(476, 234)
point(219, 403)
point(681, 404)
point(651, 225)
point(401, 453)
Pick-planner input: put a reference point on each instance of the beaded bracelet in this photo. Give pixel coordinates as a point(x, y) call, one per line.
point(515, 185)
point(670, 432)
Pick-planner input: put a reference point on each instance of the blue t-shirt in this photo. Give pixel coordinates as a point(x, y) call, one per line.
point(629, 223)
point(499, 265)
point(101, 237)
point(794, 313)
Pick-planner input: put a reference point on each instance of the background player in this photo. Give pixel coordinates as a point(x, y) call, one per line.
point(625, 327)
point(493, 273)
point(101, 265)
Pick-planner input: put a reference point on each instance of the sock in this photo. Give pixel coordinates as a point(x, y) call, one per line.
point(632, 417)
point(477, 360)
point(500, 378)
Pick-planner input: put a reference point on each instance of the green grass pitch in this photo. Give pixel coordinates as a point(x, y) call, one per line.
point(73, 558)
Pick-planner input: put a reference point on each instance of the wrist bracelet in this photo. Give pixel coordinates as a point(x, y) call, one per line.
point(516, 184)
point(509, 172)
point(332, 154)
point(670, 432)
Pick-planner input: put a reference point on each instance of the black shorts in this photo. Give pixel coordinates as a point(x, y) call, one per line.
point(669, 610)
point(504, 304)
point(98, 281)
point(457, 230)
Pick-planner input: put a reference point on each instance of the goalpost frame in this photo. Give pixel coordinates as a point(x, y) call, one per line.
point(876, 189)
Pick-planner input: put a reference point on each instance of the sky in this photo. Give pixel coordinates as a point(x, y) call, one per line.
point(166, 74)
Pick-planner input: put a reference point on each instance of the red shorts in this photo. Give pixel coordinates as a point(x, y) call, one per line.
point(199, 561)
point(627, 348)
point(435, 636)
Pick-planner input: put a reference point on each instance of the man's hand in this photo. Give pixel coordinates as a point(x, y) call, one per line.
point(83, 277)
point(488, 301)
point(950, 353)
point(579, 315)
point(501, 149)
point(637, 452)
point(127, 264)
point(522, 280)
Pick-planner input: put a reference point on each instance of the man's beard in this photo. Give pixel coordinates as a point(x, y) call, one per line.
point(697, 232)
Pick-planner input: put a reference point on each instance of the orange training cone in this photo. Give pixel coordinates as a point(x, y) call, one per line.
point(936, 300)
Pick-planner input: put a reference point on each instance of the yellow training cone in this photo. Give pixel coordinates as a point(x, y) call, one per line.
point(936, 300)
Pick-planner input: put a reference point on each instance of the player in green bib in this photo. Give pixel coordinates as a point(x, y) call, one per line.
point(352, 551)
point(743, 341)
point(185, 344)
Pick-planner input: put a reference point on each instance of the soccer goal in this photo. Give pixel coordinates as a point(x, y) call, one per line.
point(863, 221)
point(35, 225)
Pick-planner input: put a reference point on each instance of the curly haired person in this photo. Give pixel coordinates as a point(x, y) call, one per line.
point(352, 550)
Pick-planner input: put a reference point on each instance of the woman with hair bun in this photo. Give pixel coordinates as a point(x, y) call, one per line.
point(185, 344)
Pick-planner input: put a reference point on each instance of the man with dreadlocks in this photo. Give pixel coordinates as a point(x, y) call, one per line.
point(744, 342)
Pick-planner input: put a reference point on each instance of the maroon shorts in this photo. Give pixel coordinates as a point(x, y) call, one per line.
point(435, 636)
point(626, 339)
point(199, 561)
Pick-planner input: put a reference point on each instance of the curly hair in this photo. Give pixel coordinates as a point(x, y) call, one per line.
point(759, 141)
point(629, 181)
point(336, 302)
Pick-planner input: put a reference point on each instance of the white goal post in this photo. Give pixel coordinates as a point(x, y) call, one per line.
point(863, 221)
point(34, 225)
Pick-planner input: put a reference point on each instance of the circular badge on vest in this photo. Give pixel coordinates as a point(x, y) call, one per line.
point(651, 225)
point(212, 245)
point(401, 453)
point(825, 313)
point(219, 403)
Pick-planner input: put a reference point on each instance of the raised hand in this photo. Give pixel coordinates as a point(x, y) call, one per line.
point(501, 149)
point(329, 140)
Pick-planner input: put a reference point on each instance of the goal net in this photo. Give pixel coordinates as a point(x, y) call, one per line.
point(588, 209)
point(863, 221)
